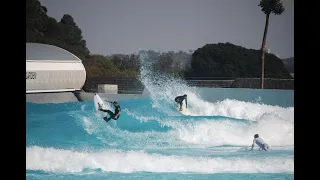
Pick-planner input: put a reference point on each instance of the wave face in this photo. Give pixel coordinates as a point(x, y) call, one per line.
point(151, 140)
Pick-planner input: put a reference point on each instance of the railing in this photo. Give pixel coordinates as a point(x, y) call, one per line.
point(211, 83)
point(130, 85)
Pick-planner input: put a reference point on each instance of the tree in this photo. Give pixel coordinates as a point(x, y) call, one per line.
point(232, 61)
point(163, 64)
point(72, 36)
point(268, 7)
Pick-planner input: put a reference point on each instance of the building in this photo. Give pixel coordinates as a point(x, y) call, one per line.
point(52, 69)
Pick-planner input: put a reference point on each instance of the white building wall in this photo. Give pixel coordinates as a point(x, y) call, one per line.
point(54, 76)
point(44, 73)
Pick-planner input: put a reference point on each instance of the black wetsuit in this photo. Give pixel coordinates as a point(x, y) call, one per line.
point(179, 100)
point(112, 115)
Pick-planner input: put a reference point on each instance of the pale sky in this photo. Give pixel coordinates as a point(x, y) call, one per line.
point(127, 26)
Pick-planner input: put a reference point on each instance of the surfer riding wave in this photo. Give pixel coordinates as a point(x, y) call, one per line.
point(113, 115)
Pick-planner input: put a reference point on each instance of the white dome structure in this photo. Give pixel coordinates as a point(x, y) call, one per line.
point(52, 69)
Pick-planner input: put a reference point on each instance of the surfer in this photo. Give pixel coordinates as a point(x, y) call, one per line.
point(114, 115)
point(262, 145)
point(179, 100)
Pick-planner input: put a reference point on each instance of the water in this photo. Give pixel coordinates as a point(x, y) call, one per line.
point(151, 140)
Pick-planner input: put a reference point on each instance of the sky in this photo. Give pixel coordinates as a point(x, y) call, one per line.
point(127, 26)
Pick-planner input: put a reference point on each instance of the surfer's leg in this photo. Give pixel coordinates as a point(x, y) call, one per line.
point(111, 114)
point(180, 105)
point(107, 111)
point(106, 118)
point(265, 147)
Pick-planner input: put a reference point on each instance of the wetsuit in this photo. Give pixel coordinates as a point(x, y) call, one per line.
point(179, 100)
point(260, 143)
point(112, 115)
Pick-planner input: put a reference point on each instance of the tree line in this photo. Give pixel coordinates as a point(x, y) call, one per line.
point(211, 60)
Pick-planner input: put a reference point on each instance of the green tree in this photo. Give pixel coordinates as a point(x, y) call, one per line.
point(36, 20)
point(40, 28)
point(229, 60)
point(72, 36)
point(268, 7)
point(163, 64)
point(99, 66)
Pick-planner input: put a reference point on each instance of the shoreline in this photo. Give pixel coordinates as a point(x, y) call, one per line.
point(210, 94)
point(62, 97)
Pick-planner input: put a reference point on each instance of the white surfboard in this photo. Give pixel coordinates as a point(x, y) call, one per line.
point(97, 100)
point(184, 110)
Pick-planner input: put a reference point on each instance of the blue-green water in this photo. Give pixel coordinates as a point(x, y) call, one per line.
point(152, 140)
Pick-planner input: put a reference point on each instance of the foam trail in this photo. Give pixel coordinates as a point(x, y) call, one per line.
point(58, 160)
point(231, 132)
point(195, 131)
point(240, 110)
point(190, 132)
point(223, 131)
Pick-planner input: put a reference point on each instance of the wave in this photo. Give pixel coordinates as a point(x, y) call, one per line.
point(68, 161)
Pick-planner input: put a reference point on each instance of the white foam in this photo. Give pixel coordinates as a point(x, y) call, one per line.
point(163, 89)
point(230, 132)
point(197, 132)
point(239, 109)
point(59, 160)
point(275, 128)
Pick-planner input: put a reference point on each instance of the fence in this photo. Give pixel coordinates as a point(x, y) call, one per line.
point(126, 85)
point(130, 85)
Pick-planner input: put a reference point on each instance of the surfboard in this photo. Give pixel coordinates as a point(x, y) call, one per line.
point(184, 110)
point(97, 100)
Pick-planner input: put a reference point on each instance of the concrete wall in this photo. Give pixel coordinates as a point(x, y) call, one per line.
point(59, 97)
point(108, 88)
point(63, 97)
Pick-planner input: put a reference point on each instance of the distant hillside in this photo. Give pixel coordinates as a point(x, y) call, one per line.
point(289, 64)
point(229, 60)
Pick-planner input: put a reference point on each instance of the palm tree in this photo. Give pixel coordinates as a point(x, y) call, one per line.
point(268, 7)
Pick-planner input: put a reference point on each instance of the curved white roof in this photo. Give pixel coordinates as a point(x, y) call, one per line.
point(43, 52)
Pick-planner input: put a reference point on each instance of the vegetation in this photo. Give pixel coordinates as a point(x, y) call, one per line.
point(212, 60)
point(268, 7)
point(228, 60)
point(289, 64)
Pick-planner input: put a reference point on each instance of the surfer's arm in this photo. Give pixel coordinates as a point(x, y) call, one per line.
point(186, 103)
point(108, 101)
point(118, 114)
point(252, 145)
